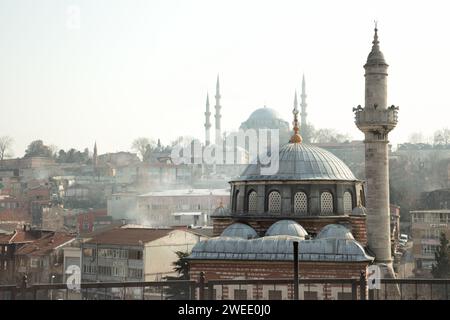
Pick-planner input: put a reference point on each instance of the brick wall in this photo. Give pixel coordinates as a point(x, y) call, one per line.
point(222, 269)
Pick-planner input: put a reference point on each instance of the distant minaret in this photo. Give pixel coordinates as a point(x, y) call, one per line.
point(207, 122)
point(303, 114)
point(218, 116)
point(94, 157)
point(376, 120)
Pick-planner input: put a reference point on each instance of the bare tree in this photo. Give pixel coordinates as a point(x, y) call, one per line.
point(5, 147)
point(417, 137)
point(141, 145)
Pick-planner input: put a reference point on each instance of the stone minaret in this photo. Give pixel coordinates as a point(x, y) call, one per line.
point(207, 123)
point(94, 157)
point(376, 120)
point(218, 137)
point(303, 114)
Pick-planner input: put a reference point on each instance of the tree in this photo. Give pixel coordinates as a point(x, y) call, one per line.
point(417, 137)
point(442, 137)
point(5, 147)
point(442, 267)
point(181, 267)
point(37, 148)
point(327, 135)
point(73, 156)
point(141, 146)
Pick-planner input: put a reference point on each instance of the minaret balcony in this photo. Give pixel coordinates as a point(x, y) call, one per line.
point(370, 118)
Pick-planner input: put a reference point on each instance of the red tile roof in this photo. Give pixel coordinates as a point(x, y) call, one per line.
point(18, 214)
point(45, 245)
point(19, 236)
point(129, 236)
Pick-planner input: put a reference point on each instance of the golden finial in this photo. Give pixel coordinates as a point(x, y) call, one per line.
point(296, 138)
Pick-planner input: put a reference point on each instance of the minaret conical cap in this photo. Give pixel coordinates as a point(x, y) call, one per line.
point(375, 56)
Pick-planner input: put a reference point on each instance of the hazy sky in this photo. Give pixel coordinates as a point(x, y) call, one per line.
point(142, 68)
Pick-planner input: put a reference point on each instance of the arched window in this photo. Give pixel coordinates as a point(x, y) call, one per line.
point(348, 203)
point(252, 201)
point(300, 203)
point(326, 203)
point(274, 202)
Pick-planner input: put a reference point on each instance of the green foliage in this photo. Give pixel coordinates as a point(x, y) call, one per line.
point(181, 266)
point(442, 267)
point(73, 156)
point(37, 148)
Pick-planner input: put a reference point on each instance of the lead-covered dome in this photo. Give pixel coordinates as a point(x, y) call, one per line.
point(335, 231)
point(239, 230)
point(286, 228)
point(264, 114)
point(298, 161)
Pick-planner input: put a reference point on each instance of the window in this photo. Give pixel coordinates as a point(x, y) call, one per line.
point(344, 296)
point(252, 201)
point(34, 262)
point(240, 294)
point(348, 203)
point(300, 203)
point(275, 295)
point(428, 249)
point(274, 202)
point(310, 295)
point(326, 203)
point(135, 254)
point(135, 273)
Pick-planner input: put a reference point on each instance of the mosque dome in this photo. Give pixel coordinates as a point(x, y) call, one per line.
point(298, 161)
point(335, 231)
point(286, 228)
point(264, 114)
point(359, 210)
point(239, 230)
point(266, 118)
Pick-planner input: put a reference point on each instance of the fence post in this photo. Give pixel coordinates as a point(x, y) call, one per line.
point(201, 283)
point(354, 290)
point(23, 287)
point(362, 286)
point(295, 243)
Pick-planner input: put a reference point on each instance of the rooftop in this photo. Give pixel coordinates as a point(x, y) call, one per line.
point(129, 236)
point(46, 244)
point(187, 192)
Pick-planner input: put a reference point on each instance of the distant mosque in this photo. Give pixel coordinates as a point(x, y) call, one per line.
point(262, 118)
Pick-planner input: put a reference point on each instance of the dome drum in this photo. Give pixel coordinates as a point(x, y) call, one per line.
point(299, 199)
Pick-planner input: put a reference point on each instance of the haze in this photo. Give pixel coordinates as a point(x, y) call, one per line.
point(142, 68)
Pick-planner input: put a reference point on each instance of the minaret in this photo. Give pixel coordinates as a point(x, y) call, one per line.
point(207, 123)
point(376, 120)
point(218, 137)
point(303, 111)
point(94, 157)
point(296, 138)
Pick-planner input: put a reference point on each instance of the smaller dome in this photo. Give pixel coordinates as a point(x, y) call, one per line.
point(221, 211)
point(239, 230)
point(335, 231)
point(359, 211)
point(287, 228)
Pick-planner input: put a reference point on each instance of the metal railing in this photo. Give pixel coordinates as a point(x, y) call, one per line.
point(412, 289)
point(254, 289)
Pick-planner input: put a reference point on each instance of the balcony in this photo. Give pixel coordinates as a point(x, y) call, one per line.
point(367, 119)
